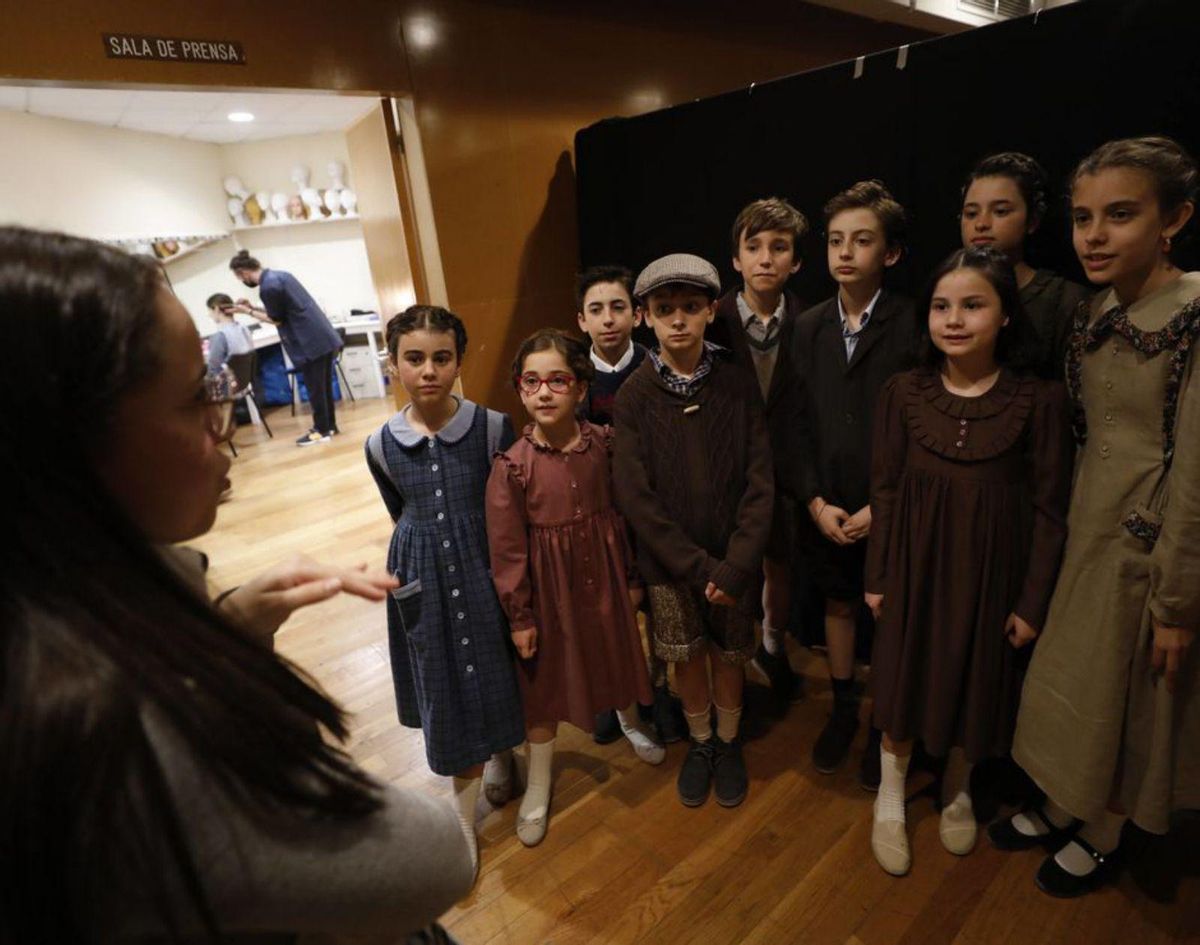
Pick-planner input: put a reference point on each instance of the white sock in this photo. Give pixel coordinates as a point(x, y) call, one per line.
point(466, 793)
point(956, 780)
point(772, 640)
point(893, 771)
point(700, 723)
point(536, 801)
point(1033, 827)
point(644, 746)
point(1103, 833)
point(727, 723)
point(497, 772)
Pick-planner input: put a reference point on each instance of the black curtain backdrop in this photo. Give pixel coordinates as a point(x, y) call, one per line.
point(1055, 86)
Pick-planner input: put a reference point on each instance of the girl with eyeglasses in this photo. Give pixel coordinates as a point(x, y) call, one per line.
point(452, 666)
point(563, 568)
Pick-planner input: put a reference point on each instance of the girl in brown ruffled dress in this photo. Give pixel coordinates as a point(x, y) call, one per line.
point(971, 468)
point(564, 570)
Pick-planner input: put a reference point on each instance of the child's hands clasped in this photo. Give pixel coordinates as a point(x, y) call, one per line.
point(858, 525)
point(874, 603)
point(526, 642)
point(1018, 632)
point(830, 521)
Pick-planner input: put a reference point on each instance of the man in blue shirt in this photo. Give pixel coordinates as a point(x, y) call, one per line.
point(307, 336)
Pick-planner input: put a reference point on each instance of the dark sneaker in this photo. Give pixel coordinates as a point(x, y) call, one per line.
point(785, 684)
point(668, 717)
point(695, 777)
point(730, 781)
point(311, 437)
point(868, 774)
point(608, 728)
point(833, 744)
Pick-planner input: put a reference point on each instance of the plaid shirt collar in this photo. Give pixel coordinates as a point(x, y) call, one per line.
point(686, 386)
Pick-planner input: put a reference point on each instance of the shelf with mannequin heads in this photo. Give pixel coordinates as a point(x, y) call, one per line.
point(167, 249)
point(307, 205)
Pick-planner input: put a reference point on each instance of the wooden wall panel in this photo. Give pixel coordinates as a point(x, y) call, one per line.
point(350, 46)
point(374, 172)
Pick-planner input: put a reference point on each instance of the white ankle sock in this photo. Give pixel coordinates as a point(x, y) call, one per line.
point(1032, 827)
point(956, 780)
point(497, 773)
point(1103, 833)
point(727, 722)
point(893, 771)
point(536, 801)
point(700, 724)
point(466, 793)
point(644, 746)
point(772, 640)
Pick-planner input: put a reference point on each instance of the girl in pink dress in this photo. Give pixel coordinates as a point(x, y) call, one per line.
point(563, 568)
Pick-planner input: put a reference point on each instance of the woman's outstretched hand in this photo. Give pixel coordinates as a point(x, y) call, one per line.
point(262, 605)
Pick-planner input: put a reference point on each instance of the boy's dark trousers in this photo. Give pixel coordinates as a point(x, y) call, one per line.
point(318, 378)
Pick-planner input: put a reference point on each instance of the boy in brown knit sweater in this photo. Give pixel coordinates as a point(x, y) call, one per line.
point(693, 469)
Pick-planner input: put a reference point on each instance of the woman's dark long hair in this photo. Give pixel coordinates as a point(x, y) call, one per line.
point(97, 631)
point(1013, 344)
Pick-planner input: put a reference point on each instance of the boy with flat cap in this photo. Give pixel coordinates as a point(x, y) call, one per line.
point(693, 470)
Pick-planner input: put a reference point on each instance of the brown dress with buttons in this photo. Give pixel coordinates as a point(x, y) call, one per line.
point(561, 562)
point(968, 507)
point(1097, 726)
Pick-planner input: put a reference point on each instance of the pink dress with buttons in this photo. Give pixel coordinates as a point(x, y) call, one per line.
point(561, 562)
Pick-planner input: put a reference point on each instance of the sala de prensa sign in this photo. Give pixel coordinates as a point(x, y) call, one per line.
point(169, 49)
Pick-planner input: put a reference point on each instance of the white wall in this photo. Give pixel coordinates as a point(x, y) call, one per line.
point(109, 183)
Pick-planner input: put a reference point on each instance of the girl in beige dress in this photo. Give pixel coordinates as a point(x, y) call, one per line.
point(1110, 719)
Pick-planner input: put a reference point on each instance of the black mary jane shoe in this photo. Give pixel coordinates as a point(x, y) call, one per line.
point(1004, 836)
point(1055, 881)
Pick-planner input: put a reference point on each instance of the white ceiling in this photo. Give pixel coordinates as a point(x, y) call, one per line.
point(200, 116)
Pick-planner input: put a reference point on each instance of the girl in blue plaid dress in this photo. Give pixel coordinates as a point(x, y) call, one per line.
point(452, 664)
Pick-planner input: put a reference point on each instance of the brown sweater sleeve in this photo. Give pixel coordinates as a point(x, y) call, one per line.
point(888, 448)
point(1050, 454)
point(744, 551)
point(656, 532)
point(508, 542)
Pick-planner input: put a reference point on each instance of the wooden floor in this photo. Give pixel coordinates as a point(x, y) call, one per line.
point(624, 861)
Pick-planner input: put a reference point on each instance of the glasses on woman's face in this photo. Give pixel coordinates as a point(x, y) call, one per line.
point(559, 383)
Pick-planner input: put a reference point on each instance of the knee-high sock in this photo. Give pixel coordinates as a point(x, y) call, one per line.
point(893, 772)
point(466, 793)
point(956, 780)
point(536, 801)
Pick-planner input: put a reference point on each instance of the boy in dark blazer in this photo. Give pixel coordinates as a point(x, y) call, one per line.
point(757, 321)
point(844, 350)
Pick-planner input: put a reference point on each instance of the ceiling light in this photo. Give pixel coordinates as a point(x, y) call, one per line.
point(240, 116)
point(423, 32)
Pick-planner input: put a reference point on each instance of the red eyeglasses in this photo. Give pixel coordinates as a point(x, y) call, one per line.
point(531, 383)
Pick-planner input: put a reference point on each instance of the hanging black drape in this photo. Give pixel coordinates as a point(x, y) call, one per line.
point(1054, 86)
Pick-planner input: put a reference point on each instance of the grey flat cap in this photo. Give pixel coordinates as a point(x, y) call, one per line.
point(678, 267)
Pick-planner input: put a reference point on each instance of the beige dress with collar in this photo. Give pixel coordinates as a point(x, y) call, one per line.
point(1096, 724)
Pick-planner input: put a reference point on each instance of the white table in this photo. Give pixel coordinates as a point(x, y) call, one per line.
point(268, 335)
